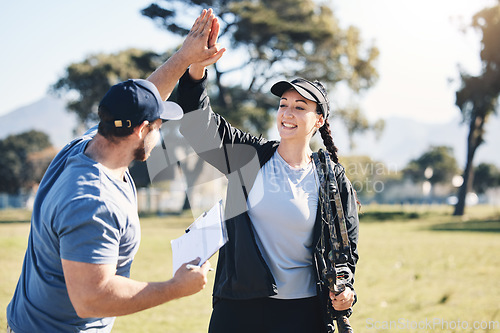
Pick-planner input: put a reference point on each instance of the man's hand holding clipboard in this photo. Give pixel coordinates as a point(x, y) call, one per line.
point(203, 238)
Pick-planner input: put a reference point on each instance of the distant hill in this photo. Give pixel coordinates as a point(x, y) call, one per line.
point(48, 115)
point(402, 140)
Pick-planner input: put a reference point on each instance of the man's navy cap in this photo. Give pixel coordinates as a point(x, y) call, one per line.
point(307, 89)
point(133, 101)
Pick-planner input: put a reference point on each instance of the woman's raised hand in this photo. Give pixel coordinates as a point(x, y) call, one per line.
point(200, 46)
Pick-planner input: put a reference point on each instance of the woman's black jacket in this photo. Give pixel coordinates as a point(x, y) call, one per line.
point(242, 272)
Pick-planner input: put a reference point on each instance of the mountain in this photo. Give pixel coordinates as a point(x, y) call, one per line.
point(47, 115)
point(403, 139)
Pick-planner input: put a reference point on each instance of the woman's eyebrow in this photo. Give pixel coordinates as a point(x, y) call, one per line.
point(297, 100)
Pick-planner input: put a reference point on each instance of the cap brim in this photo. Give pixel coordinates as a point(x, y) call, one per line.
point(171, 111)
point(280, 87)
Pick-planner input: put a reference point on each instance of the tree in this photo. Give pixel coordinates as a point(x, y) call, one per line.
point(23, 160)
point(273, 40)
point(368, 177)
point(89, 80)
point(271, 46)
point(477, 97)
point(485, 176)
point(437, 165)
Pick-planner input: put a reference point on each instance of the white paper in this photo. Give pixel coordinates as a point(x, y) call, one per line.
point(204, 237)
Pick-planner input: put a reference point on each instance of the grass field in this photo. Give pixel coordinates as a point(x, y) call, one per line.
point(420, 270)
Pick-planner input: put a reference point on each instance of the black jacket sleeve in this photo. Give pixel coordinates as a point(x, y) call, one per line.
point(225, 147)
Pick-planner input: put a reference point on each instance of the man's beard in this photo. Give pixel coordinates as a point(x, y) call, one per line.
point(140, 153)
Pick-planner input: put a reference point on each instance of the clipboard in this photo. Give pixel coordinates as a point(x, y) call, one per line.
point(203, 238)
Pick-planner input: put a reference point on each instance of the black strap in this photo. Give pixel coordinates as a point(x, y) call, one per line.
point(337, 273)
point(329, 190)
point(338, 204)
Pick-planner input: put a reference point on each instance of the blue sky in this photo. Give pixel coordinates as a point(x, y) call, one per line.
point(420, 43)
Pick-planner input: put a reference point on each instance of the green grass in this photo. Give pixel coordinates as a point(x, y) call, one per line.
point(418, 266)
point(426, 269)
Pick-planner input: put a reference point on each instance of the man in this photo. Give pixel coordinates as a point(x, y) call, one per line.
point(85, 229)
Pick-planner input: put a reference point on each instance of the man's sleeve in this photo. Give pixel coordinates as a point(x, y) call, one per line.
point(88, 233)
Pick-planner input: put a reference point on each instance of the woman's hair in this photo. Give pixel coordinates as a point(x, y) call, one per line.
point(326, 133)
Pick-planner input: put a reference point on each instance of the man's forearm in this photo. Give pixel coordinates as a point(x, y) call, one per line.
point(166, 76)
point(123, 296)
point(96, 291)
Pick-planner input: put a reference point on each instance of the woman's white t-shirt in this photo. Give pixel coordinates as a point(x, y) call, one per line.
point(282, 207)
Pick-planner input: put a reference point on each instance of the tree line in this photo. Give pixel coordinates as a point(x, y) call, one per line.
point(26, 156)
point(23, 161)
point(272, 46)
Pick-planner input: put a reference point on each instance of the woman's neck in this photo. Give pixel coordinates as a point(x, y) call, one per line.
point(296, 156)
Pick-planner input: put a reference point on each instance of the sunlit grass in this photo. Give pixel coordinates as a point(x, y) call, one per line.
point(419, 265)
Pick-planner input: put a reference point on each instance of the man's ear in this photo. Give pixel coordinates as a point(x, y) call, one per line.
point(142, 130)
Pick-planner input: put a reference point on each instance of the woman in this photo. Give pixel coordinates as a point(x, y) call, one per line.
point(266, 279)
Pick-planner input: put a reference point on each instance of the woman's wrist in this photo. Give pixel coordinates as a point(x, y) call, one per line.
point(197, 72)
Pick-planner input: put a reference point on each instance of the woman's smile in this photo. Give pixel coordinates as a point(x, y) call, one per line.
point(288, 125)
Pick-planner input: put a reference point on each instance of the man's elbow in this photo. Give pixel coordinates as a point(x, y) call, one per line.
point(84, 313)
point(87, 308)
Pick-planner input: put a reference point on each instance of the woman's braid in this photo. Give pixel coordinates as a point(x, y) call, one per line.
point(326, 135)
point(324, 130)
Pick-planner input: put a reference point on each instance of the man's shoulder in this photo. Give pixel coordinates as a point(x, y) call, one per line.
point(73, 148)
point(78, 179)
point(85, 180)
point(81, 169)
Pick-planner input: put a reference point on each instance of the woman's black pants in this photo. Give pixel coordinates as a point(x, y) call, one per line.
point(266, 315)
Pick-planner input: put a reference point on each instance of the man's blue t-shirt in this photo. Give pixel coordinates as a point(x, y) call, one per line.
point(81, 213)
